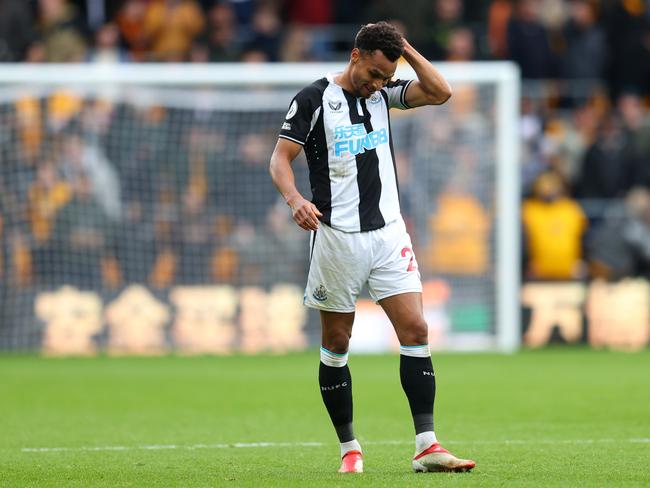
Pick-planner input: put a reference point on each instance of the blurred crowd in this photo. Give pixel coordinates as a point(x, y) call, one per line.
point(562, 39)
point(585, 139)
point(105, 193)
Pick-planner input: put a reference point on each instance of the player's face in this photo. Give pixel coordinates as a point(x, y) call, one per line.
point(370, 71)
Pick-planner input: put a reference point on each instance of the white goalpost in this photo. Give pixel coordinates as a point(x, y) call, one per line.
point(137, 215)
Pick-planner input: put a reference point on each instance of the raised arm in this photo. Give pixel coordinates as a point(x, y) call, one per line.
point(305, 213)
point(430, 88)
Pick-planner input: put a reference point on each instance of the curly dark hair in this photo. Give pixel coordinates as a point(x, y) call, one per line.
point(382, 36)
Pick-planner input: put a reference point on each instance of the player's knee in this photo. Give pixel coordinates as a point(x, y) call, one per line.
point(337, 341)
point(415, 332)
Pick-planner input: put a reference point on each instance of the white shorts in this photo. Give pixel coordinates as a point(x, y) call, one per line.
point(342, 262)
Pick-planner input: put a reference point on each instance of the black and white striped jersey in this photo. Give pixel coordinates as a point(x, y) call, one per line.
point(348, 144)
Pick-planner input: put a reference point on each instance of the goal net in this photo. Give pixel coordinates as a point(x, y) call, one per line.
point(137, 215)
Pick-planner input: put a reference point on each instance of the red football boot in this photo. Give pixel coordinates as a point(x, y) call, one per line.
point(352, 462)
point(437, 458)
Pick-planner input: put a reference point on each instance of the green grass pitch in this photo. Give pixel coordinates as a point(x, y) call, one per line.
point(559, 417)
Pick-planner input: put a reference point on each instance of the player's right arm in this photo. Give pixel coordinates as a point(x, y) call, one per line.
point(305, 213)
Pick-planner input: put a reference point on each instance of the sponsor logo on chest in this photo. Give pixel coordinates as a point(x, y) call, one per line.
point(353, 139)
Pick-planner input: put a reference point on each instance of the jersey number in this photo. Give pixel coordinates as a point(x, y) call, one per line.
point(413, 265)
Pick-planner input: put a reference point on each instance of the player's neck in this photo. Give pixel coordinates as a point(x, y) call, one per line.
point(343, 80)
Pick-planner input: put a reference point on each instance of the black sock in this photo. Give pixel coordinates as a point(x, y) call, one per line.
point(336, 390)
point(419, 384)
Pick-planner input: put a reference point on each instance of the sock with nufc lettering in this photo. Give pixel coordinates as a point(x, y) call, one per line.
point(419, 384)
point(336, 389)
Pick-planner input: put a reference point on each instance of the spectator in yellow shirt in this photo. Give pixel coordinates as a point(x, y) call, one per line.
point(553, 225)
point(170, 26)
point(460, 234)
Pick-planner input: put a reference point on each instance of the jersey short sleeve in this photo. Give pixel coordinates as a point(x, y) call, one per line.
point(298, 121)
point(396, 91)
